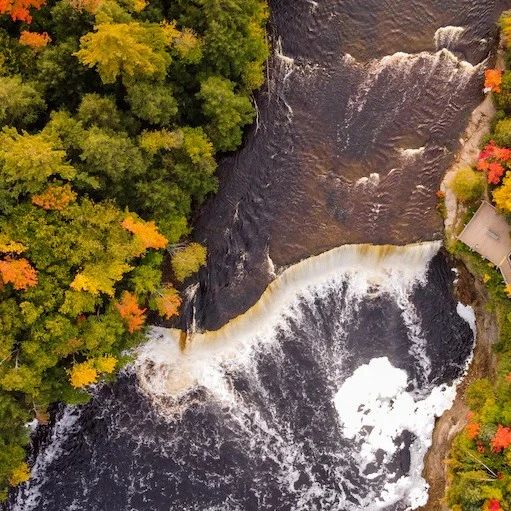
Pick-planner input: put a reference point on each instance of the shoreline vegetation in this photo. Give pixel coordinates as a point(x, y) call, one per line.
point(112, 114)
point(477, 430)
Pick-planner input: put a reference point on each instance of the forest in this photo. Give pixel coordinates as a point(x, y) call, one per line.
point(479, 465)
point(112, 117)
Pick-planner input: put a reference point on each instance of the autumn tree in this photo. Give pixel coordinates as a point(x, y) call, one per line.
point(187, 260)
point(55, 197)
point(502, 195)
point(18, 272)
point(34, 40)
point(131, 312)
point(128, 50)
point(492, 80)
point(467, 184)
point(167, 302)
point(502, 439)
point(146, 233)
point(83, 374)
point(19, 10)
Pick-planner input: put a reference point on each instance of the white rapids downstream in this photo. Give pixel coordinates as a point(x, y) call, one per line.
point(376, 402)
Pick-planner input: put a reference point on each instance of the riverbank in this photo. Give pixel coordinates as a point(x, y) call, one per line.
point(470, 291)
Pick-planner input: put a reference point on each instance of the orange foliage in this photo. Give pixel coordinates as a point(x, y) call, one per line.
point(472, 430)
point(493, 80)
point(168, 302)
point(55, 197)
point(145, 232)
point(502, 439)
point(35, 40)
point(20, 9)
point(18, 272)
point(495, 172)
point(130, 311)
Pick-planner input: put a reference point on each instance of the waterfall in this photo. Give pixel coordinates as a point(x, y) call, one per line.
point(376, 402)
point(163, 369)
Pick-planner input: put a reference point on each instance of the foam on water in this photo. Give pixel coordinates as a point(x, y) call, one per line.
point(29, 500)
point(447, 37)
point(375, 408)
point(468, 314)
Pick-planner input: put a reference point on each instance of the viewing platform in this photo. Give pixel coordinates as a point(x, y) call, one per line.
point(487, 233)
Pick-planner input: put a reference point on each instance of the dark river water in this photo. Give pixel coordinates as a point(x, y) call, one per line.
point(323, 395)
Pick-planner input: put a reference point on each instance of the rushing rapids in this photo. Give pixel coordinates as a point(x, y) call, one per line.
point(310, 375)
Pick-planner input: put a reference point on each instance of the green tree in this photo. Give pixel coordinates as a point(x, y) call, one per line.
point(502, 134)
point(20, 103)
point(226, 111)
point(193, 164)
point(101, 111)
point(152, 102)
point(113, 159)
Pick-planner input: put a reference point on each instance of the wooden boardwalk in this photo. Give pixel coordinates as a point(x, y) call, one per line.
point(488, 234)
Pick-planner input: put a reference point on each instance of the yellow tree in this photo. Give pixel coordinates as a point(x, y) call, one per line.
point(83, 374)
point(130, 50)
point(502, 195)
point(186, 261)
point(167, 302)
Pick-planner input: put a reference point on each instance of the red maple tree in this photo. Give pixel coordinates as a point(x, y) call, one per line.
point(502, 439)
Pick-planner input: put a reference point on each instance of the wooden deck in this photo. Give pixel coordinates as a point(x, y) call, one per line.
point(488, 234)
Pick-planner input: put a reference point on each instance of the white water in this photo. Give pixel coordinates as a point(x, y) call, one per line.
point(166, 371)
point(29, 501)
point(447, 37)
point(375, 408)
point(373, 404)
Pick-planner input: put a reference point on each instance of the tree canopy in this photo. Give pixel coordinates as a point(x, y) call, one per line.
point(112, 116)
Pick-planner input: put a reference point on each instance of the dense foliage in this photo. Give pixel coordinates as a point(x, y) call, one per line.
point(111, 115)
point(480, 459)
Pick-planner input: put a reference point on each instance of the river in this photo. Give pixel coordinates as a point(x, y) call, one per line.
point(329, 358)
